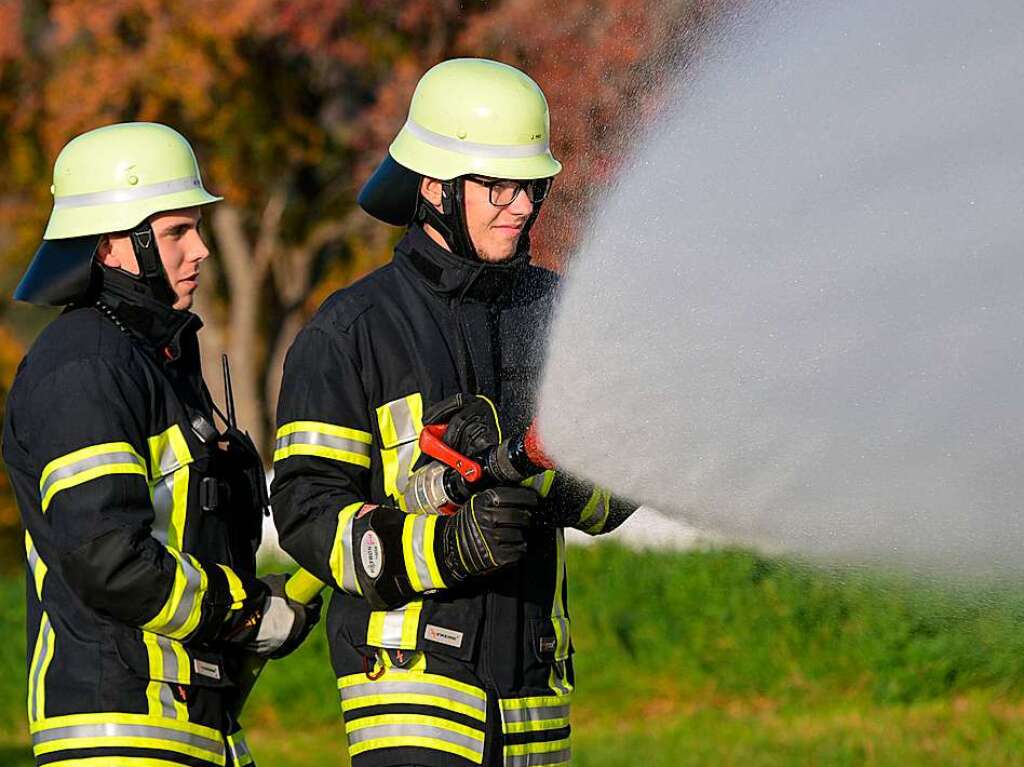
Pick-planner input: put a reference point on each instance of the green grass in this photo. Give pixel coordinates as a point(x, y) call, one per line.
point(712, 658)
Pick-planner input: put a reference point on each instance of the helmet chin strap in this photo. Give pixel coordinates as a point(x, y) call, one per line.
point(151, 269)
point(450, 221)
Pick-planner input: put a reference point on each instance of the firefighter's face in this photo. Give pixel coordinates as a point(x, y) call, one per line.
point(494, 229)
point(181, 248)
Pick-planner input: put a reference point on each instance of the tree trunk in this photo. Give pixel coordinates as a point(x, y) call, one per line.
point(245, 284)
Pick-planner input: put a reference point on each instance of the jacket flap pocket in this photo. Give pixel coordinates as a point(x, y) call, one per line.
point(155, 657)
point(168, 451)
point(400, 421)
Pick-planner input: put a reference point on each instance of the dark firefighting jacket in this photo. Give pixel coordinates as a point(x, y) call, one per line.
point(487, 673)
point(140, 531)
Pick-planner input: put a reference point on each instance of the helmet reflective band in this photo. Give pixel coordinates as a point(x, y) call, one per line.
point(475, 116)
point(113, 178)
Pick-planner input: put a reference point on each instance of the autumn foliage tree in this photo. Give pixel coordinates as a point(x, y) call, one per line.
point(290, 104)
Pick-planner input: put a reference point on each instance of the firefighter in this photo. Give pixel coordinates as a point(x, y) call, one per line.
point(141, 515)
point(449, 634)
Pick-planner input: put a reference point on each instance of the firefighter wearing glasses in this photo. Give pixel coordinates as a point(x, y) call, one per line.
point(449, 635)
point(141, 516)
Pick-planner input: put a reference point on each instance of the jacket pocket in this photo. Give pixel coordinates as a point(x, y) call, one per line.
point(159, 658)
point(170, 469)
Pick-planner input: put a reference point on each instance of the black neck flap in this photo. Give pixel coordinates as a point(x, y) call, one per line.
point(456, 277)
point(167, 330)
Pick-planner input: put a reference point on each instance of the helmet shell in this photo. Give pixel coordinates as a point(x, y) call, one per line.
point(476, 116)
point(113, 178)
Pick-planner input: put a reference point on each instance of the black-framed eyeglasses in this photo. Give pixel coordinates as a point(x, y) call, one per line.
point(502, 192)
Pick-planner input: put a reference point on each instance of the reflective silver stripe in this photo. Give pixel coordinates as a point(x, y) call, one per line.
point(562, 756)
point(413, 688)
point(414, 731)
point(349, 582)
point(539, 714)
point(46, 632)
point(168, 460)
point(405, 454)
point(559, 683)
point(391, 633)
point(170, 659)
point(419, 552)
point(597, 505)
point(163, 507)
point(143, 192)
point(324, 440)
point(91, 462)
point(193, 582)
point(476, 149)
point(34, 564)
point(239, 749)
point(401, 417)
point(166, 700)
point(111, 730)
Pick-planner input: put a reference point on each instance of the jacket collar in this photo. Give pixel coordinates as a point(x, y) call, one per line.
point(169, 332)
point(454, 276)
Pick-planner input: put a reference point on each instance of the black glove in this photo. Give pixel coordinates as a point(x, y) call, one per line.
point(282, 623)
point(472, 422)
point(487, 533)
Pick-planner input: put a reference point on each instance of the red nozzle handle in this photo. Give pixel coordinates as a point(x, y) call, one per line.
point(432, 443)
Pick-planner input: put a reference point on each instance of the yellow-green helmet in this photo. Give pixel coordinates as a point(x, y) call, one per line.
point(475, 116)
point(107, 180)
point(467, 117)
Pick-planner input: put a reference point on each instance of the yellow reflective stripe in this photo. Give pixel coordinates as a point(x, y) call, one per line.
point(239, 749)
point(235, 587)
point(412, 687)
point(168, 451)
point(391, 730)
point(411, 623)
point(559, 620)
point(408, 741)
point(532, 714)
point(494, 410)
point(400, 423)
point(88, 464)
point(323, 440)
point(127, 742)
point(42, 655)
point(395, 629)
point(547, 753)
point(180, 614)
point(121, 761)
point(418, 551)
point(168, 662)
point(113, 730)
point(594, 515)
point(329, 429)
point(342, 552)
point(169, 459)
point(540, 482)
point(36, 565)
point(72, 720)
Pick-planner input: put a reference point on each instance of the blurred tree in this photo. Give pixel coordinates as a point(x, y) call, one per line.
point(290, 105)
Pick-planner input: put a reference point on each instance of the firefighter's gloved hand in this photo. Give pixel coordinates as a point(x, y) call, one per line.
point(487, 533)
point(472, 422)
point(284, 623)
